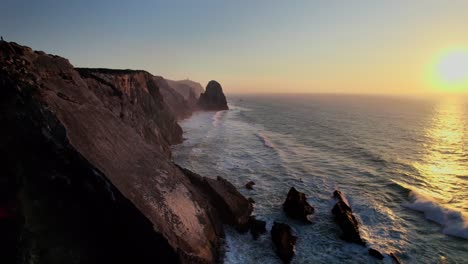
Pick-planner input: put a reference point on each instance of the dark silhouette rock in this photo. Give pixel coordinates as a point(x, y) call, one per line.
point(213, 99)
point(375, 254)
point(257, 227)
point(338, 195)
point(233, 208)
point(347, 222)
point(395, 258)
point(284, 241)
point(249, 185)
point(251, 200)
point(296, 205)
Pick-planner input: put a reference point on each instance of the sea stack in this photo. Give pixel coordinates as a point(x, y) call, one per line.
point(213, 99)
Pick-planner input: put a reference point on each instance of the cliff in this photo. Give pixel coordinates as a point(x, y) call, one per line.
point(178, 105)
point(87, 170)
point(213, 98)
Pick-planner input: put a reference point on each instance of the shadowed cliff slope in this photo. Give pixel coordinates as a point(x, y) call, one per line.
point(88, 149)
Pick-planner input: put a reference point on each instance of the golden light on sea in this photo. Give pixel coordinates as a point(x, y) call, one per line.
point(443, 166)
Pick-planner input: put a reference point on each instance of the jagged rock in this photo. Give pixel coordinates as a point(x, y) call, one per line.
point(375, 254)
point(213, 99)
point(284, 241)
point(249, 185)
point(257, 227)
point(251, 200)
point(296, 205)
point(89, 150)
point(395, 258)
point(347, 222)
point(338, 195)
point(233, 208)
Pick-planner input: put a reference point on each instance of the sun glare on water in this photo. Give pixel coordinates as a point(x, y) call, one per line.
point(449, 71)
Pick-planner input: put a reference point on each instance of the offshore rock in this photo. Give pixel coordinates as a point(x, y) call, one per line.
point(347, 221)
point(213, 99)
point(376, 254)
point(284, 241)
point(296, 205)
point(257, 227)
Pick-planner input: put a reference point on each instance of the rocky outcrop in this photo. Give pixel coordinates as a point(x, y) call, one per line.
point(233, 208)
point(257, 227)
point(346, 220)
point(85, 155)
point(179, 106)
point(249, 185)
point(187, 88)
point(296, 205)
point(284, 241)
point(213, 98)
point(376, 254)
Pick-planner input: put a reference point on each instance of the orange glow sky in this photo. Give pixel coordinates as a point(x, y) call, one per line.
point(254, 46)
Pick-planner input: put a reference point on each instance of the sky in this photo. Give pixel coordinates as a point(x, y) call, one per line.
point(374, 46)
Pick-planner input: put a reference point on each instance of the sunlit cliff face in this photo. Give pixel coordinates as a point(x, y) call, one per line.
point(444, 166)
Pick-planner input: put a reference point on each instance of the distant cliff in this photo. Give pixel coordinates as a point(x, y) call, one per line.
point(87, 172)
point(213, 98)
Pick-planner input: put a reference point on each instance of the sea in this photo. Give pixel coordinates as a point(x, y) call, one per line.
point(402, 162)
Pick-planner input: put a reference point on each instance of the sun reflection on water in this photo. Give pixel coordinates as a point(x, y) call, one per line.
point(443, 166)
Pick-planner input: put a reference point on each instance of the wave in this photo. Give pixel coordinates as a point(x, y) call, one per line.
point(265, 140)
point(454, 223)
point(217, 118)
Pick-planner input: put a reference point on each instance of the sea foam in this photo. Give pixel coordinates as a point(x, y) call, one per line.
point(265, 140)
point(454, 222)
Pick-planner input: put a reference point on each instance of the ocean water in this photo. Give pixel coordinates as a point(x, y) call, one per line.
point(401, 162)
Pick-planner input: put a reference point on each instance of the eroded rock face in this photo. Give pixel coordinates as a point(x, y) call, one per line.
point(376, 254)
point(179, 106)
point(257, 227)
point(346, 220)
point(92, 146)
point(296, 205)
point(284, 241)
point(213, 99)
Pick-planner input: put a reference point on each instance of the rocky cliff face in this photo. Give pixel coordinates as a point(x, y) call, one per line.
point(213, 98)
point(87, 168)
point(180, 106)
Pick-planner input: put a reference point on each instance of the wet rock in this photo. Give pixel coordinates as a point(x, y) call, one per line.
point(338, 195)
point(375, 254)
point(251, 200)
point(347, 222)
point(284, 241)
point(249, 185)
point(233, 208)
point(257, 227)
point(213, 99)
point(395, 258)
point(296, 205)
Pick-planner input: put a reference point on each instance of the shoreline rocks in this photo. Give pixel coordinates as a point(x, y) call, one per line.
point(346, 220)
point(296, 205)
point(249, 185)
point(284, 241)
point(257, 227)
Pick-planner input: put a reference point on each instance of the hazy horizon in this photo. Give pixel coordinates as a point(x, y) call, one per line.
point(337, 47)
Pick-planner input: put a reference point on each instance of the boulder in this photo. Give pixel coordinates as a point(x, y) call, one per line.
point(233, 208)
point(251, 200)
point(347, 222)
point(376, 254)
point(296, 205)
point(213, 99)
point(284, 241)
point(257, 227)
point(249, 185)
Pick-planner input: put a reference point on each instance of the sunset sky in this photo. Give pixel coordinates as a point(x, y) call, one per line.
point(257, 46)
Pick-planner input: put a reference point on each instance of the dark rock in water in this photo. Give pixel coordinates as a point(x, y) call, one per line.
point(233, 208)
point(395, 258)
point(249, 185)
point(347, 222)
point(340, 197)
point(284, 241)
point(375, 254)
point(213, 99)
point(251, 200)
point(296, 205)
point(257, 227)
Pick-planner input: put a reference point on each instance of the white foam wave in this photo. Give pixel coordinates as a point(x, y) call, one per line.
point(217, 118)
point(265, 140)
point(454, 223)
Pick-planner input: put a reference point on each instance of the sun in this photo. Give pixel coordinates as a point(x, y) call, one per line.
point(449, 70)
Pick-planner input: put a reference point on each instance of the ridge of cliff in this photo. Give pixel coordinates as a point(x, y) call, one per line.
point(87, 158)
